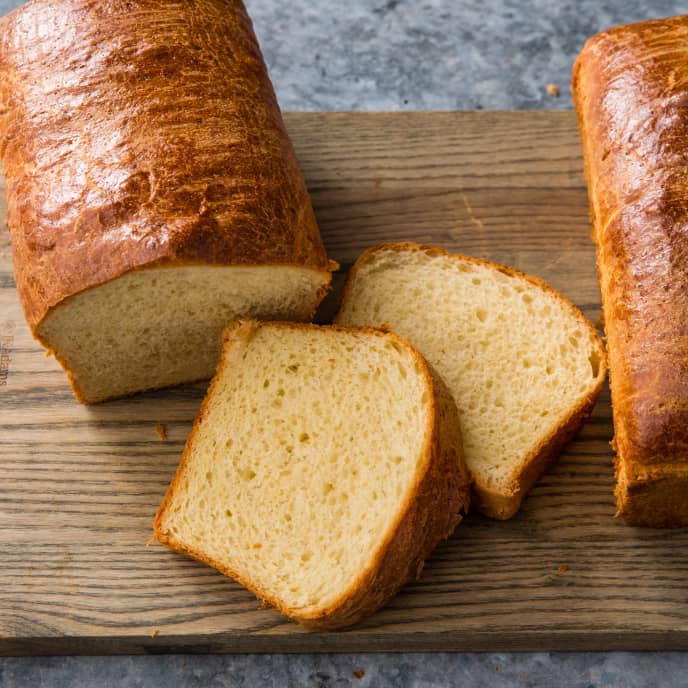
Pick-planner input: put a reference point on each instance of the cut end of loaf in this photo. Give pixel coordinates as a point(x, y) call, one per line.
point(313, 469)
point(523, 364)
point(161, 326)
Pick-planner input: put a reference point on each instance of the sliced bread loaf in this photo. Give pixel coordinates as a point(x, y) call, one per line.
point(524, 365)
point(153, 193)
point(323, 468)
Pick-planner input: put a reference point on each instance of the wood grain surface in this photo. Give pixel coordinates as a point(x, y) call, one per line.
point(79, 486)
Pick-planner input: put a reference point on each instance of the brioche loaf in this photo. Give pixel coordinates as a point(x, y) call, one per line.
point(153, 193)
point(323, 468)
point(524, 365)
point(630, 86)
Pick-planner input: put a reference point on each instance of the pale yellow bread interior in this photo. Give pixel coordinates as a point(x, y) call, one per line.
point(162, 326)
point(520, 360)
point(307, 452)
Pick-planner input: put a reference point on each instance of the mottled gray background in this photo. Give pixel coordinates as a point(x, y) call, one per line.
point(432, 54)
point(402, 55)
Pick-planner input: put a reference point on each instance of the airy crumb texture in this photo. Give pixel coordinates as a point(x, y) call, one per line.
point(323, 468)
point(523, 364)
point(162, 326)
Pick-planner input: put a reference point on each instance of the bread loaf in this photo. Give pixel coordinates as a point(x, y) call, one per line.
point(323, 468)
point(153, 193)
point(523, 364)
point(630, 86)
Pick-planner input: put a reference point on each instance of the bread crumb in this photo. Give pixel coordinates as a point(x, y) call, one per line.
point(523, 677)
point(161, 432)
point(553, 90)
point(359, 674)
point(154, 632)
point(562, 568)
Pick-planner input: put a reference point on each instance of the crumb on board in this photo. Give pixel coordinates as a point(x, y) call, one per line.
point(523, 677)
point(359, 674)
point(154, 632)
point(562, 568)
point(552, 89)
point(161, 432)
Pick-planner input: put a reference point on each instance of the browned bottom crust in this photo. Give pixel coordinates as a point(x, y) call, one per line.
point(498, 504)
point(657, 501)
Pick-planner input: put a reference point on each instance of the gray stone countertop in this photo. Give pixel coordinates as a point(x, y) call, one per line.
point(402, 55)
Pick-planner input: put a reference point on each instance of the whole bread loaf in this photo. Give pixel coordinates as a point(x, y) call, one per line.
point(630, 85)
point(153, 192)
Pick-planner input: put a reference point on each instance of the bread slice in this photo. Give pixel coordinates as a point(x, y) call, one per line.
point(324, 467)
point(524, 365)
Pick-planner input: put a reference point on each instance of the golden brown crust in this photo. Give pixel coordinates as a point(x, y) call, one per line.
point(488, 499)
point(137, 133)
point(657, 499)
point(630, 86)
point(504, 505)
point(432, 511)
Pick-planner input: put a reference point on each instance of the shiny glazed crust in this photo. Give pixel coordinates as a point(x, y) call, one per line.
point(630, 86)
point(503, 504)
point(135, 133)
point(440, 493)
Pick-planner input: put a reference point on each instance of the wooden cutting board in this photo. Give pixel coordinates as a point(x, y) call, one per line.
point(79, 486)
